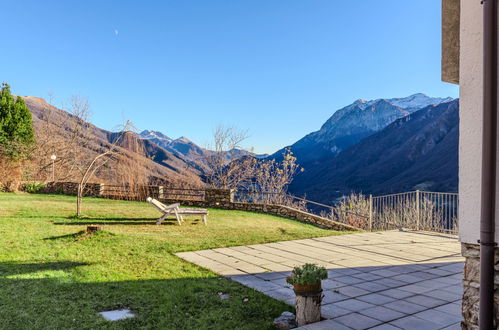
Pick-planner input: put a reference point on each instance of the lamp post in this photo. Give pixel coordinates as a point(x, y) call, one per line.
point(53, 157)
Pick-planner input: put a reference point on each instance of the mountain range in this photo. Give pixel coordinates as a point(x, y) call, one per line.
point(350, 124)
point(160, 164)
point(377, 146)
point(418, 151)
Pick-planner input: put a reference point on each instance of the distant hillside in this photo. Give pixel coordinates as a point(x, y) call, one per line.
point(159, 163)
point(354, 122)
point(418, 151)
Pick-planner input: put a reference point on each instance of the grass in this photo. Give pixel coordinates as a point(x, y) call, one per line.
point(52, 276)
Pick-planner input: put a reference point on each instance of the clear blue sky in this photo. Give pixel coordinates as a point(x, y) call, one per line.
point(278, 68)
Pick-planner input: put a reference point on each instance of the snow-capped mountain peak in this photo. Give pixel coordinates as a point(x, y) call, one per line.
point(150, 135)
point(417, 101)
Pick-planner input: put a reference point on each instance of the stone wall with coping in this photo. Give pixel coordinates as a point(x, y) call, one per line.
point(471, 284)
point(71, 188)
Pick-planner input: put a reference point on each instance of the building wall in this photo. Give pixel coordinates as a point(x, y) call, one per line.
point(470, 139)
point(470, 155)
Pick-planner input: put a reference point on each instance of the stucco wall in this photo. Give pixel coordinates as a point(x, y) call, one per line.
point(470, 139)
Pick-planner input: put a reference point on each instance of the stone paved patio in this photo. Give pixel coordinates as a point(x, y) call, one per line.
point(382, 280)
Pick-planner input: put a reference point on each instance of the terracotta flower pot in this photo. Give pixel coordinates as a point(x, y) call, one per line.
point(307, 288)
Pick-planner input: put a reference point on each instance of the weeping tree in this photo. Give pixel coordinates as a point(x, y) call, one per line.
point(90, 167)
point(16, 136)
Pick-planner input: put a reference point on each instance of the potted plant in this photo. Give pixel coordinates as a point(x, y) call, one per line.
point(306, 281)
point(307, 278)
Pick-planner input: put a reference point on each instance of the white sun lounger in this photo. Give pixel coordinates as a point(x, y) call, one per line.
point(175, 209)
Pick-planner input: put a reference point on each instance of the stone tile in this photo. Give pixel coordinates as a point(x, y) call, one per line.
point(405, 269)
point(448, 280)
point(411, 322)
point(117, 315)
point(376, 299)
point(354, 305)
point(371, 286)
point(404, 307)
point(331, 311)
point(385, 326)
point(440, 318)
point(281, 282)
point(348, 280)
point(444, 295)
point(425, 301)
point(424, 276)
point(408, 278)
point(352, 291)
point(357, 321)
point(367, 276)
point(325, 325)
point(439, 272)
point(382, 313)
point(390, 282)
point(385, 273)
point(453, 309)
point(415, 288)
point(455, 326)
point(332, 297)
point(456, 267)
point(457, 289)
point(271, 276)
point(432, 284)
point(342, 272)
point(328, 284)
point(396, 293)
point(283, 294)
point(261, 285)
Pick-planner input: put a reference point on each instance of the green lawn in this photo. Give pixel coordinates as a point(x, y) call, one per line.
point(52, 277)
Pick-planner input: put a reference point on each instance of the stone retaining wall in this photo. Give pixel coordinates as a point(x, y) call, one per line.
point(471, 283)
point(71, 188)
point(216, 198)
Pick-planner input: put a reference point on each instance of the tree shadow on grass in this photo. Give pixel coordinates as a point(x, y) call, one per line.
point(15, 268)
point(177, 303)
point(68, 236)
point(126, 222)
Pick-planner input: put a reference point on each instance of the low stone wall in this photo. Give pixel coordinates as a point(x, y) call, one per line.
point(471, 284)
point(291, 213)
point(71, 188)
point(216, 198)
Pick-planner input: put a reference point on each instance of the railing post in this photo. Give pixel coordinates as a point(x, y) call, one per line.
point(370, 212)
point(417, 210)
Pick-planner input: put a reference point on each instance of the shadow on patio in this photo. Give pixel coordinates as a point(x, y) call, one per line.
point(392, 279)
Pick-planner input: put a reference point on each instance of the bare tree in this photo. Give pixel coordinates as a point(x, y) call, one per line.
point(130, 170)
point(229, 165)
point(273, 176)
point(89, 168)
point(68, 146)
point(270, 181)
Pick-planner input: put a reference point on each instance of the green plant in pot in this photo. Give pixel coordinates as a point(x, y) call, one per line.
point(307, 278)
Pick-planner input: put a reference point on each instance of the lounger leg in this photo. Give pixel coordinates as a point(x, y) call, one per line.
point(181, 218)
point(178, 218)
point(160, 220)
point(204, 220)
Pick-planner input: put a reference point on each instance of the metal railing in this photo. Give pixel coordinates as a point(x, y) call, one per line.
point(141, 192)
point(187, 194)
point(415, 210)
